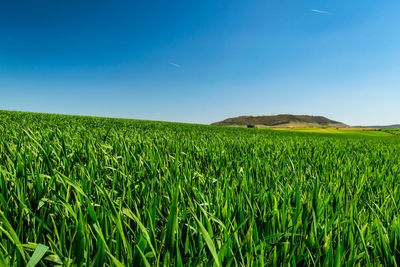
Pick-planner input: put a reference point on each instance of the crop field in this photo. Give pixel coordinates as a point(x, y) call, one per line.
point(85, 191)
point(392, 131)
point(345, 131)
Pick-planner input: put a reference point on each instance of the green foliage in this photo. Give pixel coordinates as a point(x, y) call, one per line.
point(85, 191)
point(392, 131)
point(40, 251)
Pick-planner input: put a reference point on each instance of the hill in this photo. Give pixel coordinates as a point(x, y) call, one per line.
point(282, 120)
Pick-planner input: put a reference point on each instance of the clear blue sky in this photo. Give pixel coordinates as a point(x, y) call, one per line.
point(202, 61)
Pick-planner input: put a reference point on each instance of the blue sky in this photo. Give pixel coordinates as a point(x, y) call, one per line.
point(202, 61)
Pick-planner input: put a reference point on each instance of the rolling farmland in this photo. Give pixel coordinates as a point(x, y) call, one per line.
point(92, 191)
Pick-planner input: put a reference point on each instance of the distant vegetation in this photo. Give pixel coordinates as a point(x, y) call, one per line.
point(342, 131)
point(392, 131)
point(393, 126)
point(281, 120)
point(85, 191)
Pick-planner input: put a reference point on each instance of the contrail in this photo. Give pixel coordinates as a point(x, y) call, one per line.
point(320, 11)
point(174, 64)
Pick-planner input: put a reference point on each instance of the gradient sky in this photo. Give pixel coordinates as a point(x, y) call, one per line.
point(202, 61)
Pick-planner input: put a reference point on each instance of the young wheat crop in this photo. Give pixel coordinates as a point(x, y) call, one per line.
point(94, 191)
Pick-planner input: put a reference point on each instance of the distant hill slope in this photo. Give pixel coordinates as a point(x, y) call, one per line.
point(283, 120)
point(394, 126)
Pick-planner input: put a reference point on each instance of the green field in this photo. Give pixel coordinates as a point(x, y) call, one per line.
point(89, 191)
point(350, 131)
